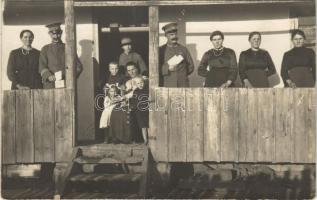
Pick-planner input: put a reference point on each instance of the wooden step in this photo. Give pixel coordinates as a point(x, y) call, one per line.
point(112, 150)
point(106, 177)
point(110, 160)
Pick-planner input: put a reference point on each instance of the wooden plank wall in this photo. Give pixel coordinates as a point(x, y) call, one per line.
point(234, 125)
point(36, 126)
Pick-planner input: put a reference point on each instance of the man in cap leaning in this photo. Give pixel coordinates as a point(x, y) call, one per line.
point(128, 55)
point(52, 57)
point(176, 62)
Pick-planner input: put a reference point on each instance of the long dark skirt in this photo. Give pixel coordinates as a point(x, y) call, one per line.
point(302, 77)
point(258, 78)
point(123, 127)
point(216, 77)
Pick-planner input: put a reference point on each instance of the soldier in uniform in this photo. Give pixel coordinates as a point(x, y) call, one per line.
point(52, 57)
point(176, 62)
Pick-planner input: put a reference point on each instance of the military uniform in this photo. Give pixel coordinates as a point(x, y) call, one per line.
point(52, 59)
point(179, 76)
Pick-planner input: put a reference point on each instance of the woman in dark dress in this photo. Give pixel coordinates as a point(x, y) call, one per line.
point(298, 65)
point(218, 65)
point(23, 64)
point(255, 64)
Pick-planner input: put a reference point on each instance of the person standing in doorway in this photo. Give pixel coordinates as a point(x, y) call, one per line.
point(52, 57)
point(176, 63)
point(128, 55)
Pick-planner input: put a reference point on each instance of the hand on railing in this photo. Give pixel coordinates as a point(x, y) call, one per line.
point(291, 83)
point(226, 84)
point(21, 87)
point(247, 83)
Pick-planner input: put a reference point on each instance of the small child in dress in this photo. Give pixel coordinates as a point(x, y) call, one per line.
point(141, 106)
point(112, 99)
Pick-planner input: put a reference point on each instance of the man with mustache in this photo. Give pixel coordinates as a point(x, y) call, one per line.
point(52, 57)
point(176, 62)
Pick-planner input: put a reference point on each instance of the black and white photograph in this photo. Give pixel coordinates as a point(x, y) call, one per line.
point(158, 99)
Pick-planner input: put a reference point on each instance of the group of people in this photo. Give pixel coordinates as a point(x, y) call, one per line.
point(219, 65)
point(125, 112)
point(29, 68)
point(126, 94)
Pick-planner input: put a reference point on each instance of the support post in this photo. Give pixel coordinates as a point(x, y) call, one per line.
point(153, 69)
point(70, 58)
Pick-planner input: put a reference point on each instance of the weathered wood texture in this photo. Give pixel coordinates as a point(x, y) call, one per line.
point(180, 2)
point(234, 125)
point(37, 126)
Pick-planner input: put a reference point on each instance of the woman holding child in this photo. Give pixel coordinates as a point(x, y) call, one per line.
point(125, 111)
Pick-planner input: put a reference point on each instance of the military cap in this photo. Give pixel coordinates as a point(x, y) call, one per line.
point(170, 28)
point(54, 27)
point(125, 41)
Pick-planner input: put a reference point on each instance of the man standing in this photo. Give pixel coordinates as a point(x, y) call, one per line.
point(129, 55)
point(52, 58)
point(175, 60)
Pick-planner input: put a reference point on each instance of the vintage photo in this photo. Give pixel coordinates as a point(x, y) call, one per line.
point(168, 99)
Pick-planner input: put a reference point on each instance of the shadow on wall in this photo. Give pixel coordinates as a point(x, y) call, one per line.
point(87, 92)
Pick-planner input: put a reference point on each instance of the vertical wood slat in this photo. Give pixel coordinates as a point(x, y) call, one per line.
point(8, 128)
point(195, 124)
point(63, 124)
point(24, 126)
point(44, 123)
point(157, 115)
point(158, 131)
point(284, 125)
point(311, 125)
point(154, 47)
point(243, 125)
point(251, 132)
point(300, 134)
point(229, 124)
point(212, 117)
point(265, 125)
point(176, 125)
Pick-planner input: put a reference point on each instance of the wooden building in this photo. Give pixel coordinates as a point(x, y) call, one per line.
point(275, 125)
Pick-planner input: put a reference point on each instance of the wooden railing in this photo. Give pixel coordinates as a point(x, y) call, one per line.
point(186, 125)
point(235, 125)
point(37, 126)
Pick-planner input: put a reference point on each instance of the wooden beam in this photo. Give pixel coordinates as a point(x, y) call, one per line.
point(127, 29)
point(70, 56)
point(153, 46)
point(70, 49)
point(181, 3)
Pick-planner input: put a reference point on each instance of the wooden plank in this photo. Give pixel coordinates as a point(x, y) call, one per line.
point(24, 127)
point(70, 47)
point(229, 124)
point(180, 2)
point(212, 145)
point(251, 154)
point(284, 125)
point(243, 125)
point(8, 128)
point(311, 125)
point(195, 124)
point(63, 124)
point(300, 134)
point(44, 120)
point(266, 118)
point(156, 117)
point(158, 131)
point(176, 125)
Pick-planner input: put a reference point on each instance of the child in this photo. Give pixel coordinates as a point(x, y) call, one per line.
point(112, 99)
point(140, 106)
point(115, 77)
point(129, 55)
